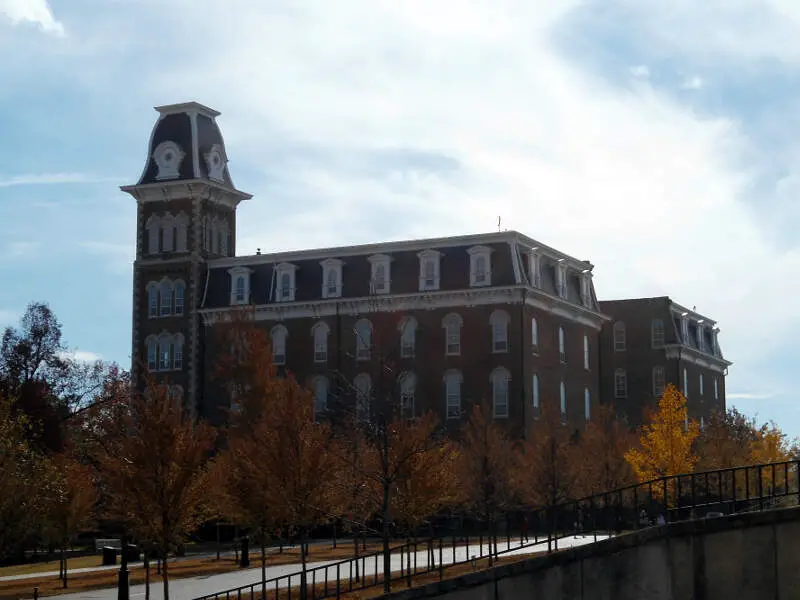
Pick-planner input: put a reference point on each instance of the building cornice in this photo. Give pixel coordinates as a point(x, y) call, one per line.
point(164, 191)
point(694, 356)
point(428, 300)
point(420, 245)
point(679, 310)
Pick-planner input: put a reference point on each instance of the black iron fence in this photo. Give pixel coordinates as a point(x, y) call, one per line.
point(659, 501)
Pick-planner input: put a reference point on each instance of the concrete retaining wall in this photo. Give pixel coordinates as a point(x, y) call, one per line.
point(743, 557)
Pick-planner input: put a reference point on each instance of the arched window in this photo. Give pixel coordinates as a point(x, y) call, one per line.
point(286, 286)
point(177, 352)
point(152, 300)
point(620, 383)
point(408, 385)
point(165, 349)
point(587, 404)
point(480, 269)
point(332, 282)
point(499, 379)
point(452, 328)
point(153, 227)
point(320, 333)
point(499, 323)
point(363, 386)
point(166, 299)
point(659, 381)
point(534, 335)
point(181, 232)
point(152, 354)
point(657, 333)
point(537, 403)
point(240, 289)
point(452, 392)
point(562, 350)
point(408, 336)
point(278, 336)
point(167, 234)
point(563, 395)
point(363, 333)
point(180, 292)
point(619, 336)
point(320, 395)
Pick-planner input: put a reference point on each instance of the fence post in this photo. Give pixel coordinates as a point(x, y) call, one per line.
point(36, 593)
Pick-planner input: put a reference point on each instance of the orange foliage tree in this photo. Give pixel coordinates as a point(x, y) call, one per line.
point(600, 454)
point(487, 467)
point(666, 443)
point(726, 441)
point(155, 470)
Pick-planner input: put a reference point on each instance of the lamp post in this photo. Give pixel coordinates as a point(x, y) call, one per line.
point(123, 590)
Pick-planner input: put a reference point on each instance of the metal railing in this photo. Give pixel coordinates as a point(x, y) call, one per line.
point(659, 501)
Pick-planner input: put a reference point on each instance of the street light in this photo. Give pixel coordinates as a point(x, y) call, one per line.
point(123, 589)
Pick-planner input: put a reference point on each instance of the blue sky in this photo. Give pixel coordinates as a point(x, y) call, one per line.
point(656, 139)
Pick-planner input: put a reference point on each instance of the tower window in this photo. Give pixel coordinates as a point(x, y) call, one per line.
point(452, 385)
point(166, 299)
point(499, 379)
point(179, 298)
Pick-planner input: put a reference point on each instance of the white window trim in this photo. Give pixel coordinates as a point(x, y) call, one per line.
point(331, 265)
point(586, 289)
point(500, 376)
point(475, 253)
point(457, 320)
point(436, 257)
point(499, 322)
point(320, 329)
point(174, 344)
point(385, 261)
point(235, 273)
point(408, 332)
point(279, 332)
point(281, 270)
point(453, 401)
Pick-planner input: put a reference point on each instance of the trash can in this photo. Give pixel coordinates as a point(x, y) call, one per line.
point(109, 556)
point(245, 556)
point(132, 553)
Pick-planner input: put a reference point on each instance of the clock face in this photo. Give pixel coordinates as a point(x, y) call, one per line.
point(168, 157)
point(215, 160)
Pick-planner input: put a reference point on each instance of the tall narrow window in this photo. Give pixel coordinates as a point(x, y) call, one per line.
point(240, 293)
point(429, 273)
point(286, 286)
point(586, 352)
point(620, 383)
point(278, 335)
point(408, 384)
point(537, 405)
point(716, 389)
point(153, 227)
point(429, 264)
point(619, 336)
point(152, 300)
point(380, 273)
point(587, 404)
point(164, 353)
point(499, 380)
point(562, 353)
point(701, 384)
point(166, 299)
point(363, 386)
point(452, 386)
point(452, 327)
point(152, 354)
point(285, 282)
point(320, 395)
point(332, 274)
point(181, 232)
point(480, 270)
point(167, 232)
point(320, 333)
point(180, 291)
point(685, 383)
point(408, 335)
point(363, 333)
point(659, 381)
point(380, 277)
point(563, 393)
point(499, 323)
point(177, 353)
point(535, 335)
point(657, 333)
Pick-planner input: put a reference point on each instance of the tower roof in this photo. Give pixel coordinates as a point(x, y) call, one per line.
point(186, 144)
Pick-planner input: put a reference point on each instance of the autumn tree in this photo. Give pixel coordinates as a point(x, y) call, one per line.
point(487, 469)
point(600, 454)
point(25, 473)
point(70, 501)
point(726, 441)
point(154, 468)
point(666, 443)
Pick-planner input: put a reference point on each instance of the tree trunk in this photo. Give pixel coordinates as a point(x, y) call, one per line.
point(165, 574)
point(334, 534)
point(355, 553)
point(387, 557)
point(146, 575)
point(263, 563)
point(64, 566)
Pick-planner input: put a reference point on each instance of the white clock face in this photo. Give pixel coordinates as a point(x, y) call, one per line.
point(168, 157)
point(215, 161)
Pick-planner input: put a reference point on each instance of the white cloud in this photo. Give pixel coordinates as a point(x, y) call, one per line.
point(31, 11)
point(81, 356)
point(749, 396)
point(52, 178)
point(692, 83)
point(640, 71)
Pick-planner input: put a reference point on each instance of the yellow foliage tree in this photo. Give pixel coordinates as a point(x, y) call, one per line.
point(601, 452)
point(666, 442)
point(769, 446)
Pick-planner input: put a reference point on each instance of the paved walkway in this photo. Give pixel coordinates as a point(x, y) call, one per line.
point(194, 587)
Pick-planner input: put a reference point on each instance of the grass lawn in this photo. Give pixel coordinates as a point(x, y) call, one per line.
point(80, 562)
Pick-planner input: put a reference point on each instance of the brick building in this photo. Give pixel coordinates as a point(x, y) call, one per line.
point(496, 316)
point(650, 342)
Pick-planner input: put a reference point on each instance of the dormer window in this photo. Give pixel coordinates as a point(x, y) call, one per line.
point(429, 269)
point(535, 268)
point(285, 282)
point(168, 157)
point(331, 278)
point(480, 272)
point(380, 273)
point(561, 279)
point(240, 285)
point(215, 162)
point(586, 288)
